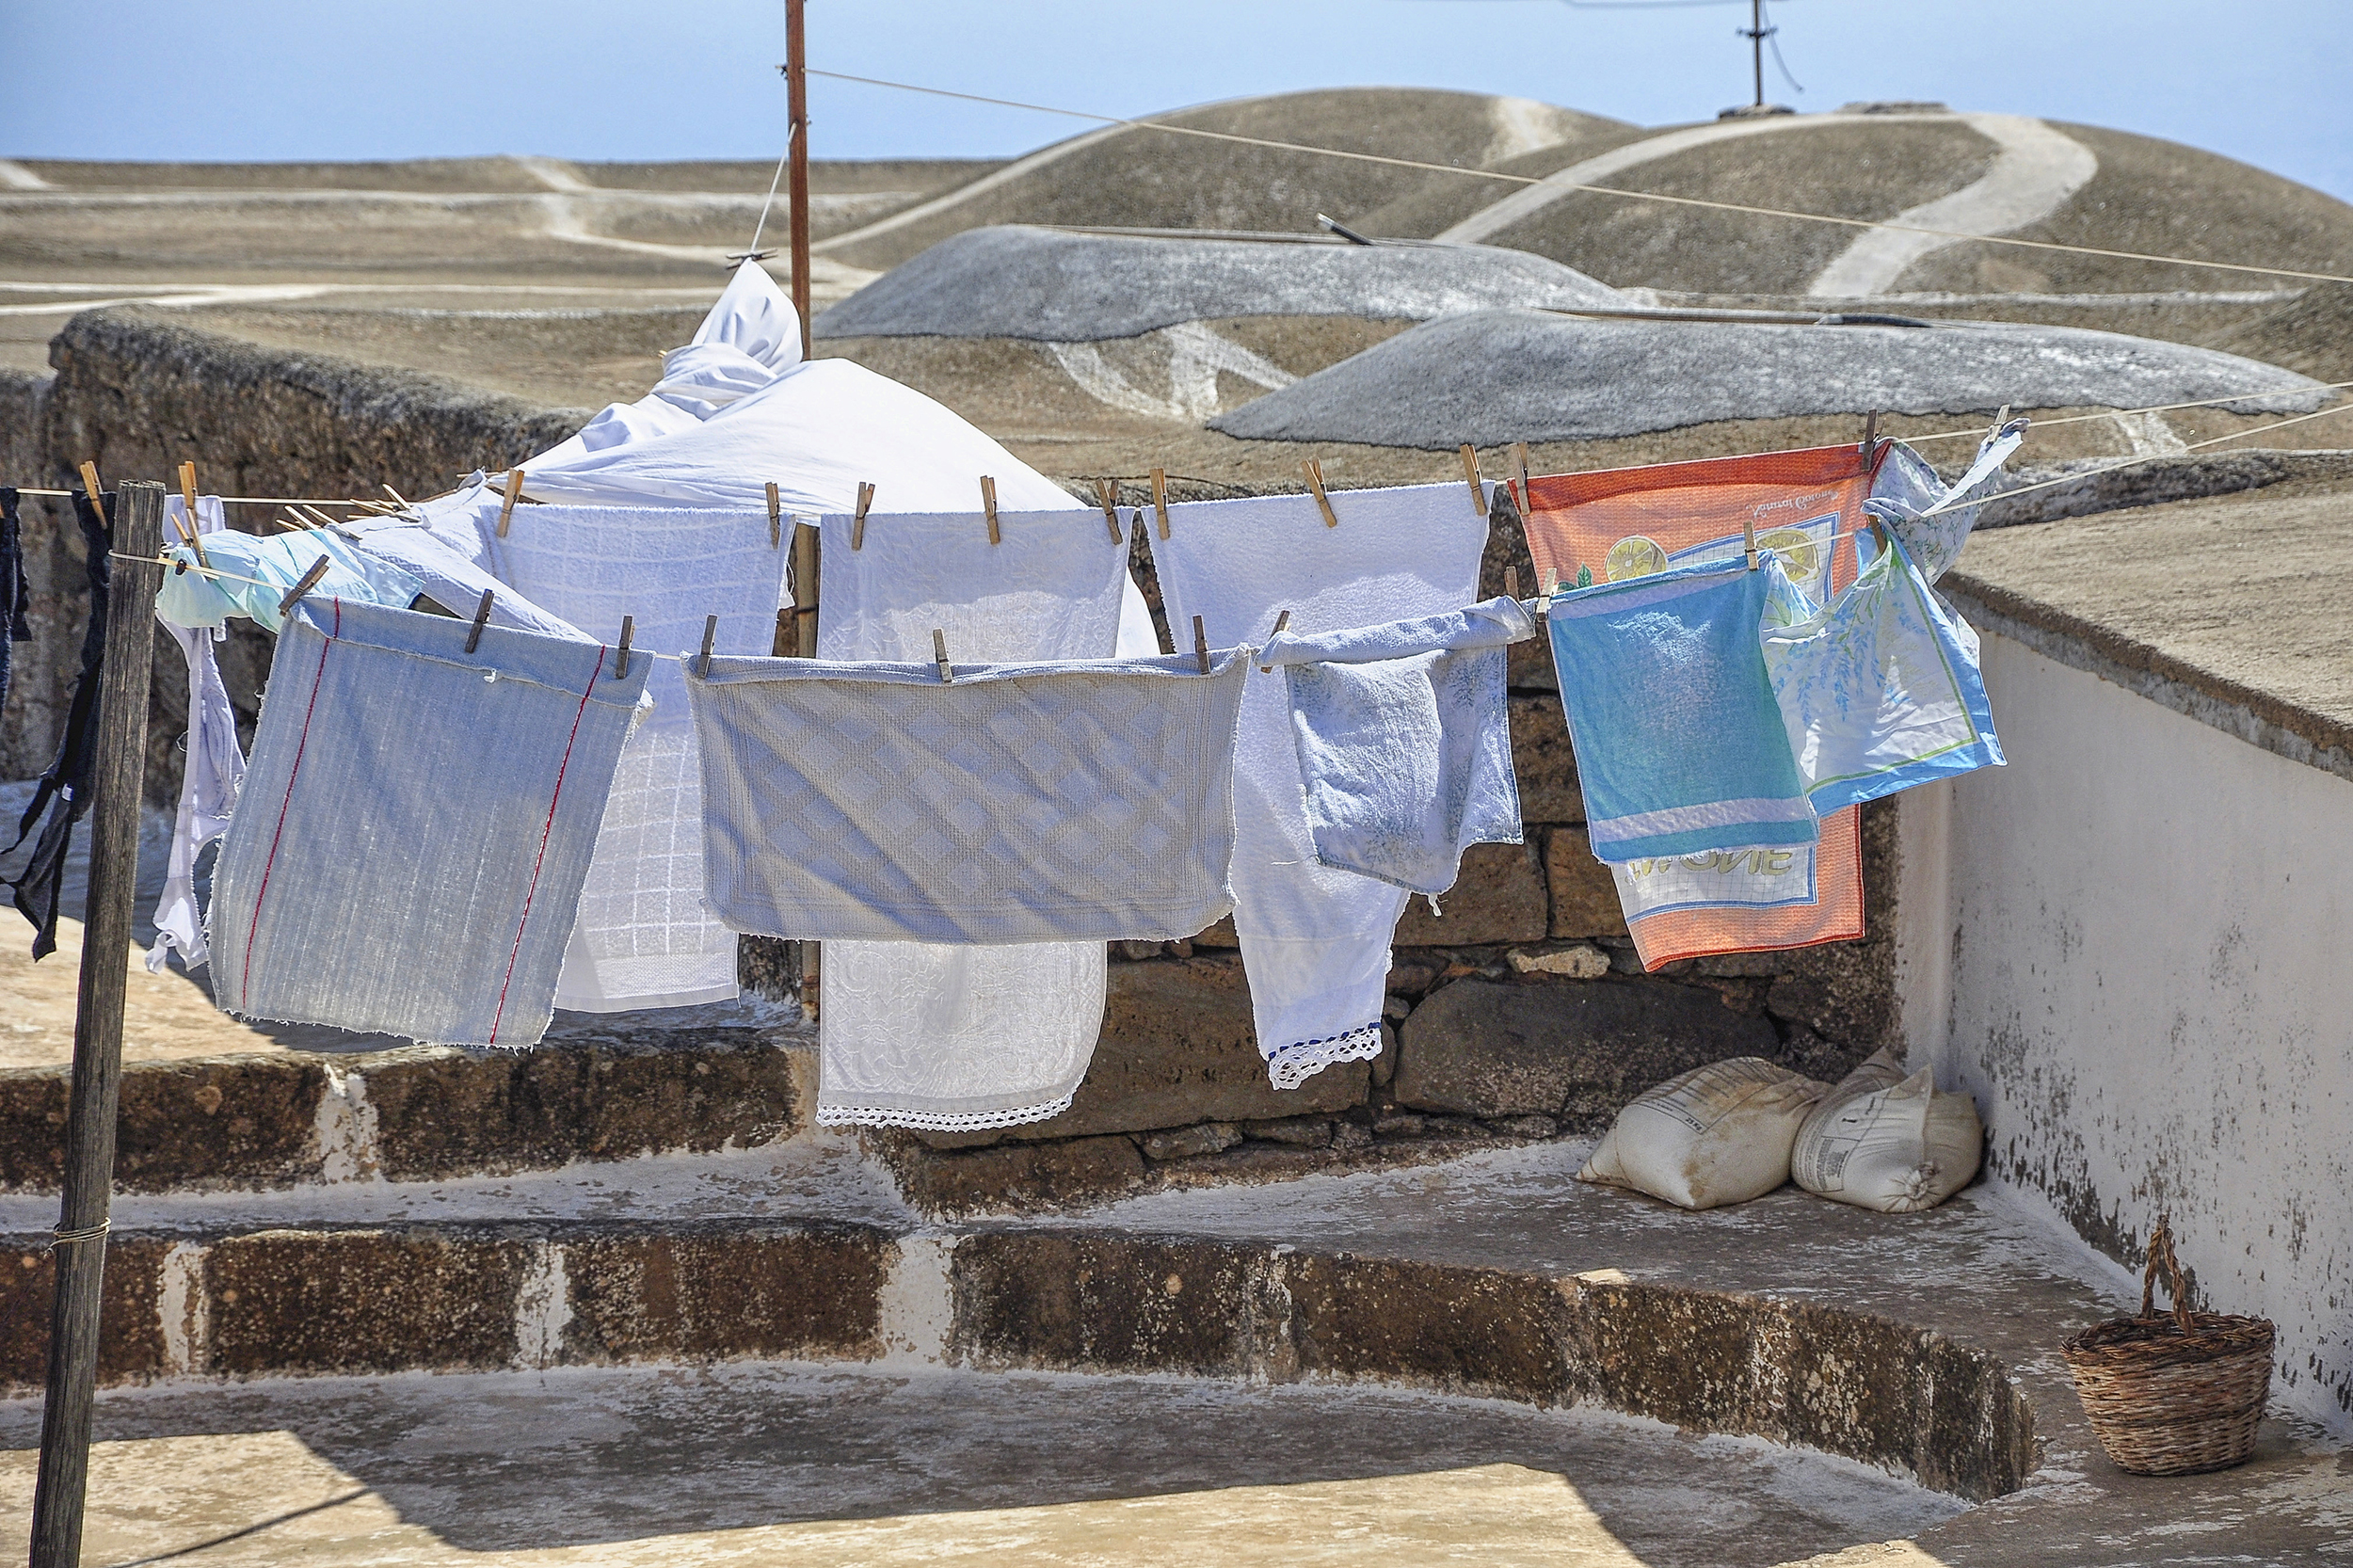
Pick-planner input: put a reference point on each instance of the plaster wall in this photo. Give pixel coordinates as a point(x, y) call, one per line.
point(2130, 945)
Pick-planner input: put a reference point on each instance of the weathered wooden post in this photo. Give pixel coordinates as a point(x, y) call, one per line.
point(797, 198)
point(117, 776)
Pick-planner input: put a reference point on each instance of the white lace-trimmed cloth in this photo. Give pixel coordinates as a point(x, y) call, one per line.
point(942, 1038)
point(211, 770)
point(646, 936)
point(1315, 940)
point(1073, 801)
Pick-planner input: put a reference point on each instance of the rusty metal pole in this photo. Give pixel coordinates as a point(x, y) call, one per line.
point(796, 105)
point(80, 1248)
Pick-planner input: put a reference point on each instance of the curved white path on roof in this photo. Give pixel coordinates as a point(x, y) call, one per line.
point(1018, 168)
point(2034, 175)
point(2034, 170)
point(15, 176)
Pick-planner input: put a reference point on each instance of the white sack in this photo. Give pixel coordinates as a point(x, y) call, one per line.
point(1715, 1135)
point(1882, 1140)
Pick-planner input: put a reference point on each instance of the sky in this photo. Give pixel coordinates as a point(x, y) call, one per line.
point(2262, 80)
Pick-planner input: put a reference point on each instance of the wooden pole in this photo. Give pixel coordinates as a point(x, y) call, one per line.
point(797, 101)
point(80, 1250)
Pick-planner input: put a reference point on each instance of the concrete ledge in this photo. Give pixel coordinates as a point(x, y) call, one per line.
point(419, 1113)
point(466, 1298)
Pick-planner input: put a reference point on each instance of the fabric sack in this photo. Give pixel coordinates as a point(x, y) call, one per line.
point(1883, 1140)
point(1715, 1135)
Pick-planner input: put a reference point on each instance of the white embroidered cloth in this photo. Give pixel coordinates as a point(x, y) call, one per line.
point(212, 767)
point(960, 1038)
point(1315, 940)
point(645, 937)
point(1088, 801)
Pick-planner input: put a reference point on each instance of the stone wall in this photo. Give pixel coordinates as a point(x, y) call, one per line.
point(1519, 1013)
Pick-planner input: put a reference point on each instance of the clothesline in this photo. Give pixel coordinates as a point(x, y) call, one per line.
point(229, 500)
point(1597, 190)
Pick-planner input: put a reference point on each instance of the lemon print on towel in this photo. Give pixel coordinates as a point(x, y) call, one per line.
point(1633, 556)
point(1799, 556)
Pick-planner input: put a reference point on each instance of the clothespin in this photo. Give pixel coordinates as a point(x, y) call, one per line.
point(1313, 469)
point(939, 653)
point(1527, 502)
point(318, 518)
point(90, 488)
point(397, 497)
point(858, 522)
point(1999, 420)
point(1280, 621)
point(187, 525)
point(1870, 439)
point(620, 660)
point(481, 619)
point(775, 517)
point(1200, 646)
point(1748, 537)
point(711, 631)
point(1110, 499)
point(988, 504)
point(1470, 477)
point(506, 508)
point(1159, 499)
point(303, 584)
point(1547, 588)
point(1511, 581)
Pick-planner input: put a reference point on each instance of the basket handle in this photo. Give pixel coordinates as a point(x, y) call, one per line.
point(2161, 1255)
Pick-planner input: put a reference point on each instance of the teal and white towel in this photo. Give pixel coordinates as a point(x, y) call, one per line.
point(1404, 739)
point(256, 573)
point(1680, 744)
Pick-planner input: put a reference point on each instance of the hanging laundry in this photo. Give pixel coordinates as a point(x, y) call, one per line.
point(40, 882)
point(645, 937)
point(1906, 489)
point(212, 765)
point(15, 596)
point(440, 544)
point(955, 1038)
point(415, 826)
point(1404, 739)
point(1878, 690)
point(1618, 523)
point(1315, 939)
point(271, 566)
point(1756, 900)
point(1016, 803)
point(1680, 747)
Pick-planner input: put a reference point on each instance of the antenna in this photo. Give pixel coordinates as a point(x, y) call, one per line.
point(1756, 33)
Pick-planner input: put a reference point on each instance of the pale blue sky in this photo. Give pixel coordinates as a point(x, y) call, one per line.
point(2262, 80)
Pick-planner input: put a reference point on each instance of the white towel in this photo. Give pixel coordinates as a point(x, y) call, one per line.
point(1405, 735)
point(1071, 800)
point(212, 767)
point(1315, 940)
point(645, 937)
point(960, 1038)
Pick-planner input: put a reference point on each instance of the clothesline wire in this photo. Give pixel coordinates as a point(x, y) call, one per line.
point(231, 500)
point(1598, 190)
point(761, 226)
point(2120, 413)
point(2130, 462)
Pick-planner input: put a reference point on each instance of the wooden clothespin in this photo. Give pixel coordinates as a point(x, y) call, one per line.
point(187, 525)
point(1200, 646)
point(90, 488)
point(1999, 420)
point(858, 522)
point(1748, 537)
point(481, 619)
point(1548, 585)
point(1280, 621)
point(710, 633)
point(1109, 498)
point(1313, 469)
point(1470, 477)
point(318, 518)
point(1527, 504)
point(1870, 439)
point(775, 517)
point(1160, 498)
point(397, 498)
point(1511, 581)
point(506, 508)
point(988, 504)
point(621, 658)
point(303, 584)
point(939, 654)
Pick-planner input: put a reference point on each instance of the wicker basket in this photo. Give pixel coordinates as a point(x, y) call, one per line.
point(2173, 1395)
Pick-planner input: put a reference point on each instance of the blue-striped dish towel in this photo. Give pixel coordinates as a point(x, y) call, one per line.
point(416, 821)
point(1680, 745)
point(1404, 736)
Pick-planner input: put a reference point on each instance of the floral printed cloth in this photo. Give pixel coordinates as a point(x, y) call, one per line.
point(1405, 741)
